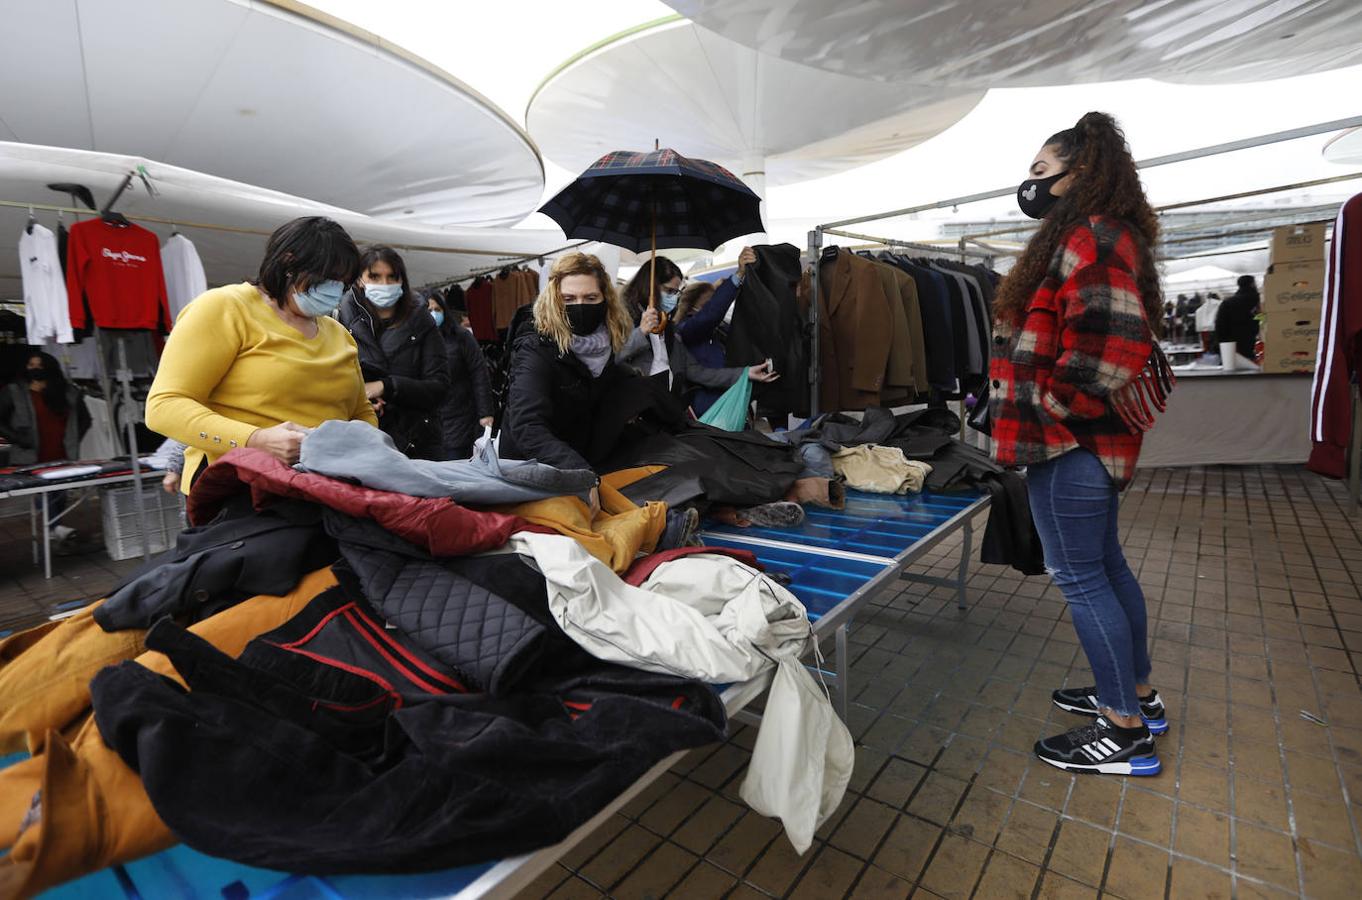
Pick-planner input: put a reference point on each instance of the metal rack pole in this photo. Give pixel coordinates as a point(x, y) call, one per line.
point(815, 286)
point(125, 379)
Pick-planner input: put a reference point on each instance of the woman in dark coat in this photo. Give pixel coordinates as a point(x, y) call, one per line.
point(401, 354)
point(469, 405)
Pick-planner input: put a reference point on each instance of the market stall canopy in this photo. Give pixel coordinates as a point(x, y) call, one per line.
point(710, 97)
point(268, 93)
point(987, 44)
point(1201, 275)
point(243, 216)
point(1346, 148)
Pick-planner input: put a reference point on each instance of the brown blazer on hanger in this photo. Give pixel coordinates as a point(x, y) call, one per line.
point(855, 333)
point(899, 384)
point(505, 299)
point(917, 343)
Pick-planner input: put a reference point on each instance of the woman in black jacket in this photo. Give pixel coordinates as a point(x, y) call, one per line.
point(401, 353)
point(469, 404)
point(563, 370)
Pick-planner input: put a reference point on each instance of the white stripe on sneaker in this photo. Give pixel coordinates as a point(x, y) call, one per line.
point(1111, 745)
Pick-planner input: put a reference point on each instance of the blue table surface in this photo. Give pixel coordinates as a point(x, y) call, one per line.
point(872, 524)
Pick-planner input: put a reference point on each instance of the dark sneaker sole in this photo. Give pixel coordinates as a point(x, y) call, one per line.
point(1156, 726)
point(1138, 766)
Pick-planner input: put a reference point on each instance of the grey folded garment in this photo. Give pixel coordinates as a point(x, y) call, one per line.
point(359, 452)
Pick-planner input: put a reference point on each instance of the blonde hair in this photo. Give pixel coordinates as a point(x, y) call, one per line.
point(550, 311)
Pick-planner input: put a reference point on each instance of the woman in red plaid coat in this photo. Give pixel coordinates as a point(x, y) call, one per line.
point(1076, 322)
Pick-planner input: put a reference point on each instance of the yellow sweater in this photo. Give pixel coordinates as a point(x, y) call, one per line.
point(231, 366)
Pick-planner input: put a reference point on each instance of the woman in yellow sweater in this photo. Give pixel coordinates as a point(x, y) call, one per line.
point(259, 364)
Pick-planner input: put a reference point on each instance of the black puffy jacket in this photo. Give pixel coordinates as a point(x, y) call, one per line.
point(558, 414)
point(408, 356)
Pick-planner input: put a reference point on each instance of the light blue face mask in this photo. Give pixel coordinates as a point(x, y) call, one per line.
point(438, 316)
point(383, 295)
point(668, 300)
point(321, 299)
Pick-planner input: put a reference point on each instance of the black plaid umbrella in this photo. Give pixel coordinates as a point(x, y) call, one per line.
point(658, 199)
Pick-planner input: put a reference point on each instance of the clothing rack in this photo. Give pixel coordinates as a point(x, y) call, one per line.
point(502, 263)
point(815, 236)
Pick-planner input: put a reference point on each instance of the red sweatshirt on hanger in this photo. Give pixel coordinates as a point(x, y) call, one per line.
point(1340, 345)
point(115, 273)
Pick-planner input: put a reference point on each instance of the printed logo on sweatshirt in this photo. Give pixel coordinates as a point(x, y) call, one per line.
point(122, 256)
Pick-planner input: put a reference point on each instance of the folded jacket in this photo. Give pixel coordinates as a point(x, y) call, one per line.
point(880, 470)
point(367, 455)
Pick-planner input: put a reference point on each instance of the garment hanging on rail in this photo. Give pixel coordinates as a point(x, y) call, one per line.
point(114, 277)
point(45, 303)
point(184, 275)
point(480, 298)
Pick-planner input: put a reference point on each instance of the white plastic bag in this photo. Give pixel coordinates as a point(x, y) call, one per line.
point(481, 443)
point(802, 761)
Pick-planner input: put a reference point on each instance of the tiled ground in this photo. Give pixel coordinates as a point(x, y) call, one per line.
point(1254, 580)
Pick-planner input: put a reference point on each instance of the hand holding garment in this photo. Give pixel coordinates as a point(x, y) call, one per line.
point(880, 470)
point(439, 525)
point(356, 452)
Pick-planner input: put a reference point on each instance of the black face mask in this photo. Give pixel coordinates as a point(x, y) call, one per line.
point(1034, 195)
point(585, 318)
point(35, 375)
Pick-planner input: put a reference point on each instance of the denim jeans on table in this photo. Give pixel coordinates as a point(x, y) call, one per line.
point(1075, 503)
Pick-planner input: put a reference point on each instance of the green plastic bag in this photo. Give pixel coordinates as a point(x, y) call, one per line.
point(729, 412)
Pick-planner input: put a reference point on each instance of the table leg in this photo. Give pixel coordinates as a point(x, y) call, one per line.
point(47, 537)
point(843, 673)
point(33, 524)
point(966, 551)
point(1355, 450)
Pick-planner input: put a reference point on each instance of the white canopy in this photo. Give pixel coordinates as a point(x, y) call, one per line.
point(991, 43)
point(267, 93)
point(232, 255)
point(1346, 148)
point(709, 97)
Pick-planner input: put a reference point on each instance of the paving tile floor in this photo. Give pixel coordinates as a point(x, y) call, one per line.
point(1253, 578)
point(1254, 586)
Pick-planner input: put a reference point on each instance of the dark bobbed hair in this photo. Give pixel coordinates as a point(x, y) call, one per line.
point(306, 252)
point(691, 297)
point(1105, 183)
point(54, 393)
point(636, 292)
point(383, 253)
point(1247, 284)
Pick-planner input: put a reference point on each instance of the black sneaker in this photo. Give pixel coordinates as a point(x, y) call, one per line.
point(1102, 747)
point(1084, 702)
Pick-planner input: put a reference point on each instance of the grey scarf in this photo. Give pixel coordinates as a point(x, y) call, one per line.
point(593, 350)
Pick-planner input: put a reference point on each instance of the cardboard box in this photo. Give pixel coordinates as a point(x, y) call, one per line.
point(1289, 360)
point(1290, 341)
point(1292, 243)
point(1294, 286)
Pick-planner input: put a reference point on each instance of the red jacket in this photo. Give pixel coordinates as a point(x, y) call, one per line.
point(1340, 345)
point(439, 525)
point(1082, 336)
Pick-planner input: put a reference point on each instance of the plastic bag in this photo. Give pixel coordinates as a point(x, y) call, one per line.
point(729, 412)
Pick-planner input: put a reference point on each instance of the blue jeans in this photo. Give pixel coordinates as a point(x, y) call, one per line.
point(1074, 504)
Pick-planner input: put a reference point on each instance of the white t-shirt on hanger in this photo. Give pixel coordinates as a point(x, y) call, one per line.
point(47, 314)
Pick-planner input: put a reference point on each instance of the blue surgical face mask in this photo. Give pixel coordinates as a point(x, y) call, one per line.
point(321, 299)
point(668, 300)
point(383, 295)
point(438, 316)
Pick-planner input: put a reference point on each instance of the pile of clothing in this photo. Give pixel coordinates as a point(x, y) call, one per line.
point(373, 664)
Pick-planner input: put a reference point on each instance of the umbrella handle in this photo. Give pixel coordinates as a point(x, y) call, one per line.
point(661, 325)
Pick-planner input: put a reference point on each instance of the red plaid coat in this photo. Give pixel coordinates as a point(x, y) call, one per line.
point(1083, 335)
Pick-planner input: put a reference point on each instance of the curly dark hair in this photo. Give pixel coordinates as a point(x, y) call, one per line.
point(1106, 183)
